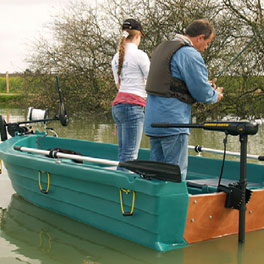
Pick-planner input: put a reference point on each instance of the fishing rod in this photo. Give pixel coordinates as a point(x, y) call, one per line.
point(238, 55)
point(39, 116)
point(63, 117)
point(34, 116)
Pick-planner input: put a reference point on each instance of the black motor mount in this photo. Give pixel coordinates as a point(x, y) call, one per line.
point(234, 195)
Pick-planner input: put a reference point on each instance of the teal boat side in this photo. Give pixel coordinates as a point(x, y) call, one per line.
point(90, 193)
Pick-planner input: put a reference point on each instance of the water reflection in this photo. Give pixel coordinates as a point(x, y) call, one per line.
point(51, 238)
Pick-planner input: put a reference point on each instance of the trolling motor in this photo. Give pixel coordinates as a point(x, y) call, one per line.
point(237, 194)
point(231, 128)
point(34, 116)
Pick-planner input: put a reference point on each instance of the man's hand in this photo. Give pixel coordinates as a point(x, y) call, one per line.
point(213, 83)
point(219, 91)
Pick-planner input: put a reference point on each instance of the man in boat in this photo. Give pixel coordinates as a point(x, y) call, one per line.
point(178, 77)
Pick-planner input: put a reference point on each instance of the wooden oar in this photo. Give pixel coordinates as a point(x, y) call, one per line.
point(199, 149)
point(146, 168)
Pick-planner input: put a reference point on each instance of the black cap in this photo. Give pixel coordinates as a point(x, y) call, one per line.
point(132, 24)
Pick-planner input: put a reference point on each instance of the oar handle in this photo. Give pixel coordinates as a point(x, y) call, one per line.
point(146, 168)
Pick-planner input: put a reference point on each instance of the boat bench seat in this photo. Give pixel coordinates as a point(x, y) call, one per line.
point(210, 185)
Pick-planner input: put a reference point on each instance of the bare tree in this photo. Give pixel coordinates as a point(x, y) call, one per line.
point(86, 38)
point(245, 91)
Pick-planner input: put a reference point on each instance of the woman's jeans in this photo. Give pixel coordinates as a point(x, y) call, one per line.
point(171, 149)
point(129, 120)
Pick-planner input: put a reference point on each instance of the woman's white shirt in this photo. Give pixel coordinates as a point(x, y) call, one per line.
point(134, 72)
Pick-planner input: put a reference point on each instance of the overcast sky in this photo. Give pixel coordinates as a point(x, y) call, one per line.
point(22, 21)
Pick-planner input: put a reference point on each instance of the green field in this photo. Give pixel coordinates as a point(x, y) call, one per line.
point(16, 89)
point(16, 84)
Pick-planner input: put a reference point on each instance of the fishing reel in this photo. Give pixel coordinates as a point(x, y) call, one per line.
point(36, 114)
point(33, 116)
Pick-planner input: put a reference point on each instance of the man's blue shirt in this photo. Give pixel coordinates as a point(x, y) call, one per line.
point(188, 65)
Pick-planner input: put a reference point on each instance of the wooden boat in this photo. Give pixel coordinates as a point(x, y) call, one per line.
point(151, 205)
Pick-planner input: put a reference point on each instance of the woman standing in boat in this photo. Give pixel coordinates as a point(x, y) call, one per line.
point(130, 67)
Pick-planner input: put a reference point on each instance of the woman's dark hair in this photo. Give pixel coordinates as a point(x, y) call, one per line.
point(199, 27)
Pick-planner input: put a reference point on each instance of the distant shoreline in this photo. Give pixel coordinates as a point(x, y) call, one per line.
point(11, 74)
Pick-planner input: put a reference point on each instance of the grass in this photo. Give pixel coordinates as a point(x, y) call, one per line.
point(16, 84)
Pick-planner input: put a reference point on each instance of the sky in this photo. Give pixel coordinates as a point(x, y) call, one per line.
point(21, 23)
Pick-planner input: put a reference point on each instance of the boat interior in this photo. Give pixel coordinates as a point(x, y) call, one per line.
point(203, 173)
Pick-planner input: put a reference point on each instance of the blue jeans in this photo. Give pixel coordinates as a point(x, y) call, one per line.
point(171, 149)
point(129, 120)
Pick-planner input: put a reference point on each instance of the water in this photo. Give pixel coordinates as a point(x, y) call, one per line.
point(29, 234)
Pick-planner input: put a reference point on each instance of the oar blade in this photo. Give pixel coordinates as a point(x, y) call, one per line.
point(154, 169)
